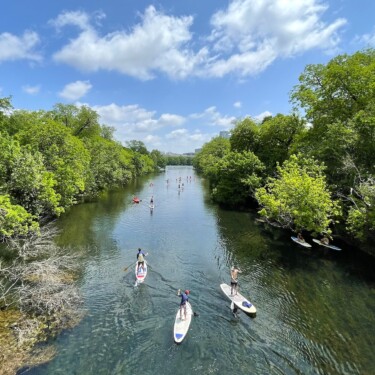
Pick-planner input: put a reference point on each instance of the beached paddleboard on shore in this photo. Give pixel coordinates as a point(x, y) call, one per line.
point(181, 327)
point(239, 300)
point(302, 243)
point(141, 275)
point(327, 245)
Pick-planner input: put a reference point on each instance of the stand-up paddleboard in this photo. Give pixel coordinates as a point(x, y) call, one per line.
point(327, 245)
point(302, 243)
point(181, 327)
point(239, 300)
point(151, 206)
point(141, 275)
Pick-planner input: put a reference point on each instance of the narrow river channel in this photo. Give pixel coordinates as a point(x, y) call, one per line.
point(315, 310)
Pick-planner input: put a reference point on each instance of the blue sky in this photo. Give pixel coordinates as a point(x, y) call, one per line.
point(172, 73)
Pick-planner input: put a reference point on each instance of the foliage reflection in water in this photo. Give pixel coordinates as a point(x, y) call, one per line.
point(314, 310)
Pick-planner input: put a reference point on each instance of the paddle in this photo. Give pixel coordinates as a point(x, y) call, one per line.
point(126, 268)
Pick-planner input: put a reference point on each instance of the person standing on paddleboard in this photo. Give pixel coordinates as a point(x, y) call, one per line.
point(140, 259)
point(234, 279)
point(184, 298)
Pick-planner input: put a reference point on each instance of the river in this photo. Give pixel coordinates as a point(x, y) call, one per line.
point(315, 309)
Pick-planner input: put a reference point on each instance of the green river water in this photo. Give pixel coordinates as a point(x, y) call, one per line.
point(315, 309)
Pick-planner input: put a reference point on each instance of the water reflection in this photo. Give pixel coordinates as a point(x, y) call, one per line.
point(314, 314)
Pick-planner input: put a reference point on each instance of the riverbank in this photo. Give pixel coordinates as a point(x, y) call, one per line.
point(38, 299)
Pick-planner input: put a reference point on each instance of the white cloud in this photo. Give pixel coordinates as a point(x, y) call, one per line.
point(210, 116)
point(245, 39)
point(13, 47)
point(176, 134)
point(158, 43)
point(262, 116)
point(254, 33)
point(237, 105)
point(32, 90)
point(75, 90)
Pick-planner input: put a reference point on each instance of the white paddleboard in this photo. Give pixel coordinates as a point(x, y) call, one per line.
point(141, 275)
point(329, 246)
point(302, 243)
point(151, 206)
point(239, 300)
point(181, 327)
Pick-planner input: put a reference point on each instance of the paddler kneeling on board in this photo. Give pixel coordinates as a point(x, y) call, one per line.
point(234, 279)
point(184, 298)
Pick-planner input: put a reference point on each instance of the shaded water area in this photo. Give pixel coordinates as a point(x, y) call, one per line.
point(315, 309)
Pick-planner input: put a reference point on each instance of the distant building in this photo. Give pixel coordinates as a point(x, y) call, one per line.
point(224, 134)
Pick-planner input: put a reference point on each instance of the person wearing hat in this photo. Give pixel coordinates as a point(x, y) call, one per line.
point(234, 279)
point(184, 298)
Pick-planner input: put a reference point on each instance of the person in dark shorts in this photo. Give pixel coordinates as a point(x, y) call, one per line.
point(234, 279)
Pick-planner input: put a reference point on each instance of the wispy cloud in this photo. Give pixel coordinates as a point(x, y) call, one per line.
point(13, 47)
point(32, 90)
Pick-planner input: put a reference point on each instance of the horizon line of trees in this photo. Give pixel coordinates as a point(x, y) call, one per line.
point(50, 159)
point(313, 173)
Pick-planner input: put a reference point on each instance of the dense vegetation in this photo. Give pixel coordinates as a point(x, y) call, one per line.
point(314, 172)
point(49, 159)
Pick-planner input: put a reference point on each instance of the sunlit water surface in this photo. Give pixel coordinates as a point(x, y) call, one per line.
point(315, 310)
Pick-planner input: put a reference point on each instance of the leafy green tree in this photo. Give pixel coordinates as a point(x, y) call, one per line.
point(210, 153)
point(298, 198)
point(235, 177)
point(32, 187)
point(339, 100)
point(15, 220)
point(109, 164)
point(137, 146)
point(277, 136)
point(64, 155)
point(83, 121)
point(336, 92)
point(159, 159)
point(245, 136)
point(106, 132)
point(9, 151)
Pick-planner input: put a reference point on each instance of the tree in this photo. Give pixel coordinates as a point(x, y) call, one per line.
point(137, 146)
point(298, 198)
point(32, 186)
point(210, 153)
point(15, 220)
point(235, 177)
point(337, 91)
point(64, 155)
point(83, 121)
point(245, 136)
point(109, 165)
point(277, 136)
point(159, 159)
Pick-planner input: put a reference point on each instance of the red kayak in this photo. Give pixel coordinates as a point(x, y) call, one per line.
point(136, 200)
